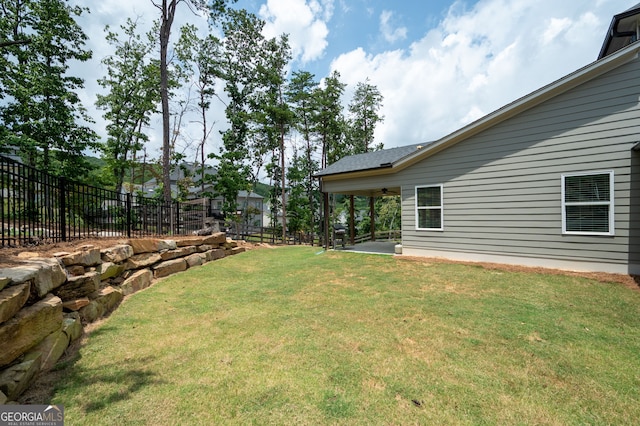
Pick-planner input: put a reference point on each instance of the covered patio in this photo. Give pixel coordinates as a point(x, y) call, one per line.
point(368, 175)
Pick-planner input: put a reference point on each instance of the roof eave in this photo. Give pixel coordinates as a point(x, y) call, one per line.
point(356, 173)
point(527, 102)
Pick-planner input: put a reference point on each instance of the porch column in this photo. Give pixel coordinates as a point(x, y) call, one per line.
point(352, 220)
point(325, 197)
point(372, 215)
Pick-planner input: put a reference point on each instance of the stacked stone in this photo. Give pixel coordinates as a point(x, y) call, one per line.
point(45, 301)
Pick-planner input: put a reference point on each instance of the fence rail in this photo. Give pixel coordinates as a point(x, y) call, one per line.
point(258, 234)
point(38, 208)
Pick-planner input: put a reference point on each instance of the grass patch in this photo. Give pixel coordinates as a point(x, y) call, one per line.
point(289, 336)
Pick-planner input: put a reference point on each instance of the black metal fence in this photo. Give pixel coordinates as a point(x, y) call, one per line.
point(259, 234)
point(38, 208)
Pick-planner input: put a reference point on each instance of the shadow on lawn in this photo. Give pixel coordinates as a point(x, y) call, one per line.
point(99, 386)
point(113, 382)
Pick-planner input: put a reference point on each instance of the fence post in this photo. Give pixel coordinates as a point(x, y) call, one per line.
point(177, 229)
point(62, 203)
point(128, 207)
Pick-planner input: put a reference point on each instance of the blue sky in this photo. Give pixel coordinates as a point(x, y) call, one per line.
point(438, 64)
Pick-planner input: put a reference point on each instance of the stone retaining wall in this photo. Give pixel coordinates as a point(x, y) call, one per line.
point(45, 302)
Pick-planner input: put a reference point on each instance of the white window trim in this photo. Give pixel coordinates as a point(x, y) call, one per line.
point(609, 203)
point(440, 207)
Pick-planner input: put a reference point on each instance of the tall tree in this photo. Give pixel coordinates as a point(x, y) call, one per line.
point(42, 113)
point(239, 68)
point(271, 106)
point(167, 10)
point(132, 83)
point(201, 57)
point(330, 122)
point(300, 95)
point(364, 115)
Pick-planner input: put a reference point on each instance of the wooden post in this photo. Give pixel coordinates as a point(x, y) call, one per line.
point(326, 220)
point(352, 220)
point(372, 215)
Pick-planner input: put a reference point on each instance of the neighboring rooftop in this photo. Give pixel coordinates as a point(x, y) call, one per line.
point(622, 32)
point(370, 160)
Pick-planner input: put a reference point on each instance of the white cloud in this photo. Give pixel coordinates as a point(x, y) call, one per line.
point(389, 33)
point(477, 60)
point(305, 22)
point(556, 27)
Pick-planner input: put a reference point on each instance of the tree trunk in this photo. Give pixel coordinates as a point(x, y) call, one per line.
point(168, 13)
point(284, 205)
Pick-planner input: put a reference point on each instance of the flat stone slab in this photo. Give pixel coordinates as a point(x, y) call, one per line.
point(190, 241)
point(148, 245)
point(12, 299)
point(86, 257)
point(4, 281)
point(17, 378)
point(215, 239)
point(45, 273)
point(179, 252)
point(117, 254)
point(109, 270)
point(139, 280)
point(215, 254)
point(142, 260)
point(195, 259)
point(169, 267)
point(76, 304)
point(108, 297)
point(28, 327)
point(78, 287)
point(52, 348)
point(72, 326)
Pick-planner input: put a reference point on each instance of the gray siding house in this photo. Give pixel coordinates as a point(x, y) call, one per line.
point(551, 180)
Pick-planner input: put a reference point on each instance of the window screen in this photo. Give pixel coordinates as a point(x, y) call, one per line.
point(429, 207)
point(588, 203)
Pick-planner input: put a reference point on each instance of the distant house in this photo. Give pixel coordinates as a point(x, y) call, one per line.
point(187, 176)
point(551, 180)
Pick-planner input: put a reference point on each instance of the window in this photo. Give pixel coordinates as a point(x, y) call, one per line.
point(429, 207)
point(587, 203)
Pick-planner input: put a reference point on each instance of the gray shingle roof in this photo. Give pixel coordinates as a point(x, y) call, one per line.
point(369, 161)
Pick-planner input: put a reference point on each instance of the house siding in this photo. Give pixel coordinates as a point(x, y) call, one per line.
point(502, 187)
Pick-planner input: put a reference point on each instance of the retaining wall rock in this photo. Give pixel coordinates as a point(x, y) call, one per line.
point(77, 287)
point(116, 254)
point(89, 256)
point(4, 281)
point(136, 282)
point(44, 302)
point(12, 299)
point(169, 267)
point(143, 260)
point(17, 378)
point(28, 327)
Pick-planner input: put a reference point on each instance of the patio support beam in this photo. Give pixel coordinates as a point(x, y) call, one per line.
point(325, 196)
point(372, 215)
point(352, 220)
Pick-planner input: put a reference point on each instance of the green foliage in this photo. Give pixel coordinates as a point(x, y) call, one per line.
point(238, 68)
point(364, 116)
point(42, 112)
point(132, 85)
point(330, 125)
point(388, 212)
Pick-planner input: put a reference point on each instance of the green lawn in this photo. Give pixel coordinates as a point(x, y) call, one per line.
point(297, 336)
